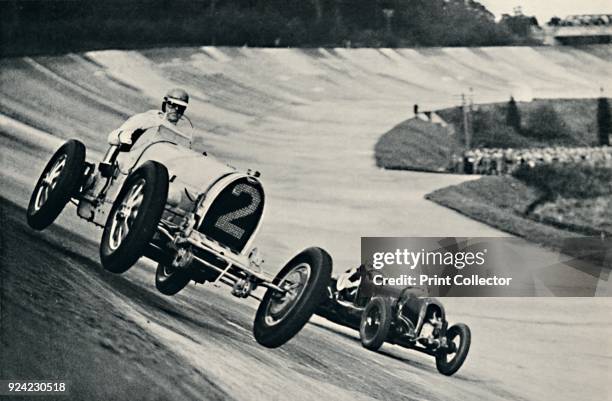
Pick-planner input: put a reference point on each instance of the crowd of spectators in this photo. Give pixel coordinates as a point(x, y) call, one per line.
point(583, 20)
point(494, 161)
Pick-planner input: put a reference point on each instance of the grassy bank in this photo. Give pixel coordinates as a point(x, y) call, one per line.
point(415, 145)
point(574, 197)
point(420, 145)
point(567, 180)
point(501, 202)
point(543, 212)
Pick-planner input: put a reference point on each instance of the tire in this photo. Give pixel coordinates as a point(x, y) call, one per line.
point(375, 323)
point(448, 367)
point(59, 181)
point(169, 280)
point(279, 319)
point(126, 237)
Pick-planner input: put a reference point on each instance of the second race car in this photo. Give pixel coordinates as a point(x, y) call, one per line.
point(409, 319)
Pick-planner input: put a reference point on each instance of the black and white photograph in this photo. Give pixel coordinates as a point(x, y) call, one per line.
point(306, 200)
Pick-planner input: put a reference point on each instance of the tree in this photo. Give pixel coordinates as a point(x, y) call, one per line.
point(604, 121)
point(489, 131)
point(513, 116)
point(318, 10)
point(519, 24)
point(544, 123)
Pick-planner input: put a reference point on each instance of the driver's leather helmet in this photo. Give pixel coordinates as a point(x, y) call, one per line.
point(177, 98)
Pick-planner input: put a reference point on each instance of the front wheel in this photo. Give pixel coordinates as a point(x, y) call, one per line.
point(133, 219)
point(281, 316)
point(172, 276)
point(375, 323)
point(458, 339)
point(59, 181)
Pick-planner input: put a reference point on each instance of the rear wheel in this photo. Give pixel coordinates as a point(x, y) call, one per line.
point(375, 323)
point(458, 339)
point(281, 316)
point(59, 181)
point(134, 216)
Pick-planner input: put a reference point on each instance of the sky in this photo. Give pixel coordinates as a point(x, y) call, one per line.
point(545, 9)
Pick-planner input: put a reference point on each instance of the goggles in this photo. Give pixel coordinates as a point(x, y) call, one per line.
point(179, 106)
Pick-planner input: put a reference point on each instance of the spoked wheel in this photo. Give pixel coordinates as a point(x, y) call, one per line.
point(281, 316)
point(294, 283)
point(458, 338)
point(173, 276)
point(133, 218)
point(59, 181)
point(375, 323)
point(124, 216)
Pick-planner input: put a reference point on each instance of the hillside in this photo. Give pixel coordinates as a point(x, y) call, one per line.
point(420, 145)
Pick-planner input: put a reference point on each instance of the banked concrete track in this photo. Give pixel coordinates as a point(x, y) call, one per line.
point(308, 120)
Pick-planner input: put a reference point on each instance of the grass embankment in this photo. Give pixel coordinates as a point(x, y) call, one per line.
point(501, 202)
point(415, 145)
point(545, 204)
point(575, 197)
point(420, 145)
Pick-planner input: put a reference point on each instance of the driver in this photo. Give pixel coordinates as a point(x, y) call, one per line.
point(172, 109)
point(348, 284)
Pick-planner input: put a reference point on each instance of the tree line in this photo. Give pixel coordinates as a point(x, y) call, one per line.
point(36, 26)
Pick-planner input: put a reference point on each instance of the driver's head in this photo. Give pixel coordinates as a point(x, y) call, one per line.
point(175, 104)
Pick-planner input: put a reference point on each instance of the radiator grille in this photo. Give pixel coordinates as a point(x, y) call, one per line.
point(234, 215)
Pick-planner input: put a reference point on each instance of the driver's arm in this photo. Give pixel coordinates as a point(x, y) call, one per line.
point(124, 137)
point(135, 126)
point(114, 138)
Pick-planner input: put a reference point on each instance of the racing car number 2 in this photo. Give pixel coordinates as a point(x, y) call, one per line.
point(225, 221)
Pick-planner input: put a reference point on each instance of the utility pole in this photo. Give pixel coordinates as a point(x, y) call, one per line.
point(466, 129)
point(471, 116)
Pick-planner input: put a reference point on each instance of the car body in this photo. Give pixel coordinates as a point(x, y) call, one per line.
point(406, 317)
point(193, 214)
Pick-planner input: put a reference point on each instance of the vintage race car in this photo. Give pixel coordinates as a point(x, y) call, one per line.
point(408, 318)
point(192, 214)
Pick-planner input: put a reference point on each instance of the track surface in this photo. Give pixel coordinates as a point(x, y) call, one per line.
point(308, 121)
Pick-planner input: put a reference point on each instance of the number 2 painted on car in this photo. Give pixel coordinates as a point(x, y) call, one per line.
point(225, 221)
